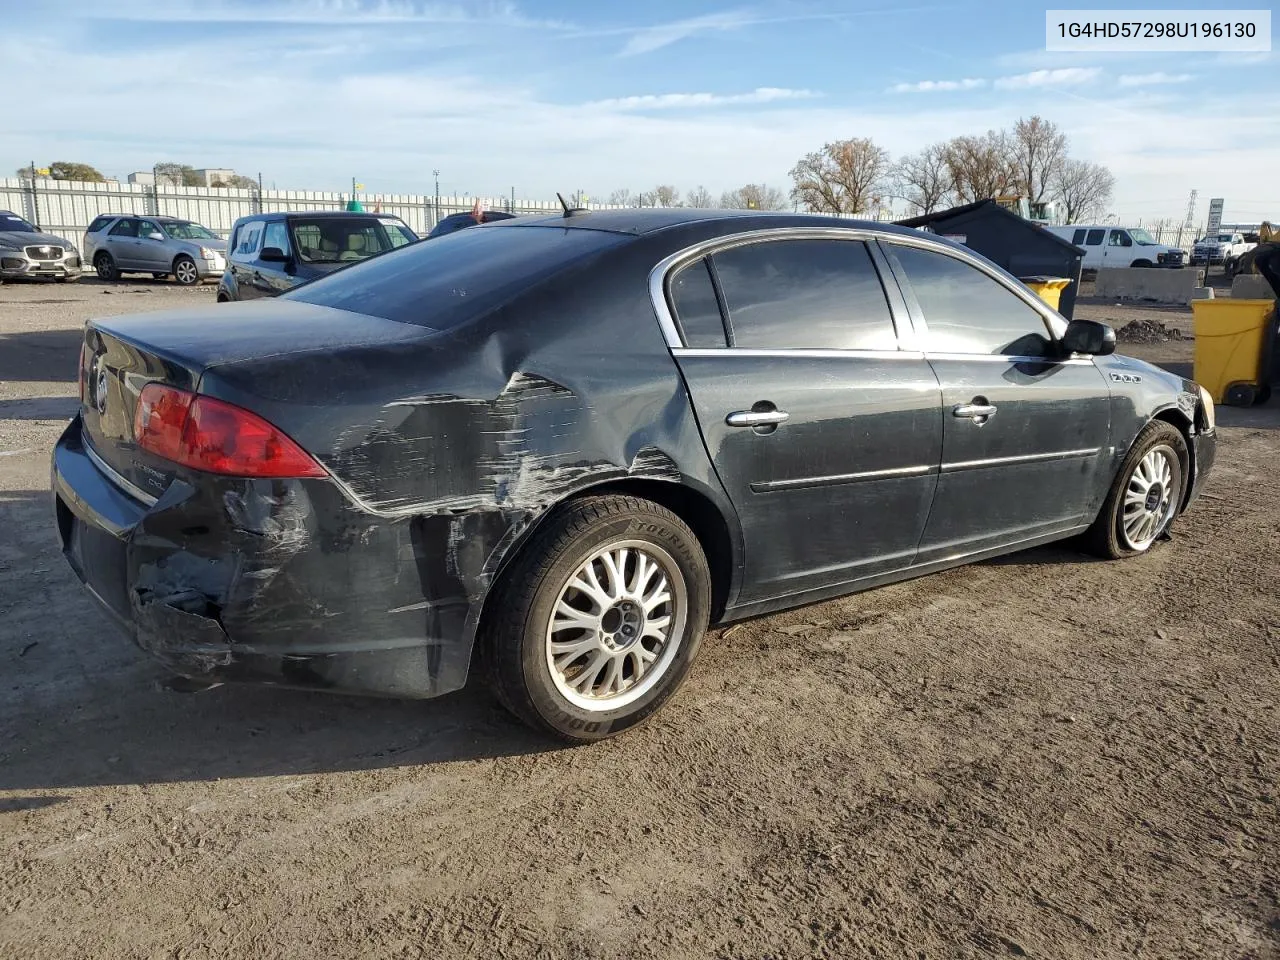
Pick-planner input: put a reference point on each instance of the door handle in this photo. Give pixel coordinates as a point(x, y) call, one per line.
point(757, 418)
point(974, 411)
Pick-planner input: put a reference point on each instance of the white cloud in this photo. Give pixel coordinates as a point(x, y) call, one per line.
point(648, 39)
point(1152, 79)
point(318, 12)
point(933, 86)
point(1061, 77)
point(665, 101)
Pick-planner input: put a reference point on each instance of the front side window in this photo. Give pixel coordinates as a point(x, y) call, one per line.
point(248, 240)
point(693, 297)
point(146, 228)
point(805, 294)
point(1119, 238)
point(276, 235)
point(1094, 238)
point(128, 227)
point(968, 311)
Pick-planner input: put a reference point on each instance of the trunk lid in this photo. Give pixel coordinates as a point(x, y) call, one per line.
point(121, 355)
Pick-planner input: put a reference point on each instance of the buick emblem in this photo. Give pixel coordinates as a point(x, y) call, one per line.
point(100, 392)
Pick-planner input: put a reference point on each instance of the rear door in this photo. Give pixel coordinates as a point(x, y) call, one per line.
point(1026, 431)
point(121, 242)
point(1091, 243)
point(824, 431)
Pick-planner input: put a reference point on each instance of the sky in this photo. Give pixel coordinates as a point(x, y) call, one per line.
point(568, 95)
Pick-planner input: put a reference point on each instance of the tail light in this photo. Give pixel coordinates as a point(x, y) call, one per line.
point(207, 434)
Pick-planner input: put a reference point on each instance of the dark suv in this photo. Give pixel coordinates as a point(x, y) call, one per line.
point(269, 253)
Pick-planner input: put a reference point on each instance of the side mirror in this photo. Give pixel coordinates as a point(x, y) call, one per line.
point(155, 235)
point(272, 255)
point(1089, 336)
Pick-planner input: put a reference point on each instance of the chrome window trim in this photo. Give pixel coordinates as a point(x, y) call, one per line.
point(671, 263)
point(134, 491)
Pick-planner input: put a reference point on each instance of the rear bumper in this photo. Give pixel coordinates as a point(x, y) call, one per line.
point(279, 582)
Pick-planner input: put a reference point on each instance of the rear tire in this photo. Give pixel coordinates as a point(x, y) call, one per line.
point(586, 663)
point(1146, 496)
point(185, 271)
point(106, 267)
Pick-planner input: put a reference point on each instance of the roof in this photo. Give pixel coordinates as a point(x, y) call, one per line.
point(928, 219)
point(316, 214)
point(646, 221)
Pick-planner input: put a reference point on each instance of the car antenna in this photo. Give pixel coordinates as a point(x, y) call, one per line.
point(568, 210)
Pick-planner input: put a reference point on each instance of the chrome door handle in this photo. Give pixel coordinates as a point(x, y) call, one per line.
point(973, 411)
point(757, 418)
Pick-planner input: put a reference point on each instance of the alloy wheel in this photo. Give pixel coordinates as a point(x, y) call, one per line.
point(616, 625)
point(186, 273)
point(1151, 497)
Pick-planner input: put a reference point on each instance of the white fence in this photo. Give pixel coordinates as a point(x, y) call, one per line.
point(67, 207)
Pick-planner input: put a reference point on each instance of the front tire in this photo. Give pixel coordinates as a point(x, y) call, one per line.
point(1146, 496)
point(106, 267)
point(185, 271)
point(599, 618)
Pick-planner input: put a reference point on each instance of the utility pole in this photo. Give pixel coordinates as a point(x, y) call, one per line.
point(1190, 222)
point(155, 186)
point(436, 174)
point(35, 199)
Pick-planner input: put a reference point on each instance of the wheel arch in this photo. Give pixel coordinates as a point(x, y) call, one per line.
point(1178, 419)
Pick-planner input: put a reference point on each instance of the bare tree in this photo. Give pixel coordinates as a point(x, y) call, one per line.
point(664, 195)
point(240, 182)
point(700, 198)
point(177, 174)
point(1084, 188)
point(621, 198)
point(842, 177)
point(924, 178)
point(981, 167)
point(1039, 149)
point(754, 196)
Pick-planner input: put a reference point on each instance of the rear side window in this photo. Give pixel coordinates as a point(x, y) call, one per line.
point(1094, 238)
point(967, 311)
point(1078, 239)
point(805, 294)
point(457, 276)
point(693, 298)
point(99, 223)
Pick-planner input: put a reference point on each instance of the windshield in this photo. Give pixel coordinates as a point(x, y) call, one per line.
point(14, 224)
point(1142, 238)
point(341, 239)
point(189, 231)
point(1224, 238)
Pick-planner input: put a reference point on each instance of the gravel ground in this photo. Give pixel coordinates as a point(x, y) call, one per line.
point(1042, 756)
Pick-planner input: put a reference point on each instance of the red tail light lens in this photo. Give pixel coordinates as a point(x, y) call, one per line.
point(207, 434)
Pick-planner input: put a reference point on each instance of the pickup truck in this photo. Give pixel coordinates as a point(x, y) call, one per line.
point(1219, 248)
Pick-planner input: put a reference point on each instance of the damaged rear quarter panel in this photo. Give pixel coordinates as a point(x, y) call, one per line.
point(448, 450)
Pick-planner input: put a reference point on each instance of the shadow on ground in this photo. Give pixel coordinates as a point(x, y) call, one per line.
point(84, 707)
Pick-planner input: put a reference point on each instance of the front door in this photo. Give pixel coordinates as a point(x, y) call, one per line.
point(242, 259)
point(1119, 249)
point(824, 433)
point(152, 254)
point(1026, 431)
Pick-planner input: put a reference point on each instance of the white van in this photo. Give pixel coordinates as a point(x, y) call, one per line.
point(1106, 246)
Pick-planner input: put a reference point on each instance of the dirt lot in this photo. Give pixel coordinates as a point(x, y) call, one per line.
point(1043, 756)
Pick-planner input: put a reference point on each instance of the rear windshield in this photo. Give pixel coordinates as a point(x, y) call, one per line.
point(442, 282)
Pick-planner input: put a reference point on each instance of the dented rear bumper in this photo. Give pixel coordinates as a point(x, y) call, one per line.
point(276, 581)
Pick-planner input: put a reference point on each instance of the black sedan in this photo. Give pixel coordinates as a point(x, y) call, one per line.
point(558, 448)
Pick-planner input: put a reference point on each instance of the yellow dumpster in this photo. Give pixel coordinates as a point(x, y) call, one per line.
point(1048, 289)
point(1234, 340)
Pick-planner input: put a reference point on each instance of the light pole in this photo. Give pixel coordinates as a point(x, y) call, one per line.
point(436, 174)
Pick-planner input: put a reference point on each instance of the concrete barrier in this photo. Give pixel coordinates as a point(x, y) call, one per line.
point(1160, 284)
point(1202, 293)
point(1251, 286)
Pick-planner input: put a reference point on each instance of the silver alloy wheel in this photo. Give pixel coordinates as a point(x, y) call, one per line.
point(103, 265)
point(616, 626)
point(1151, 497)
point(186, 272)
